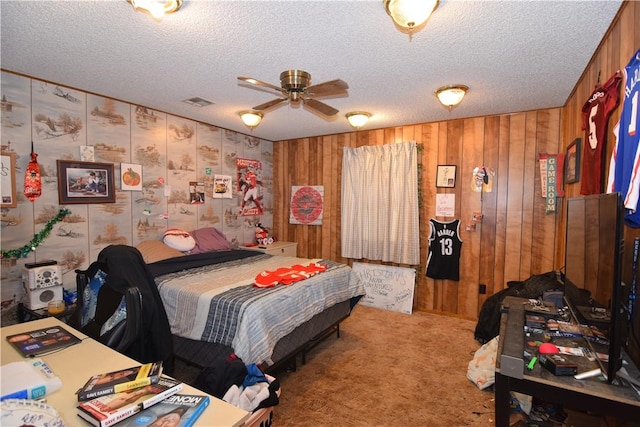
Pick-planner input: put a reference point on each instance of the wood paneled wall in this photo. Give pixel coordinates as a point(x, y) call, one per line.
point(615, 50)
point(516, 237)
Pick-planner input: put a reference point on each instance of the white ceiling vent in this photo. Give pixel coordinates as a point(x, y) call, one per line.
point(196, 101)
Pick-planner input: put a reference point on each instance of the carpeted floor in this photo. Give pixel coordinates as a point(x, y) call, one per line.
point(386, 369)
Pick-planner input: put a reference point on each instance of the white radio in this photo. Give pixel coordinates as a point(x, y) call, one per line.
point(42, 283)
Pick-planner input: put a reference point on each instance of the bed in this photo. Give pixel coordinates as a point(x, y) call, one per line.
point(214, 309)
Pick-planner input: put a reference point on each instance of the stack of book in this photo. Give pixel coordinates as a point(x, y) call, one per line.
point(141, 393)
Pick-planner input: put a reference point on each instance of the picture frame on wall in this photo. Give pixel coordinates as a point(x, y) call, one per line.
point(572, 161)
point(446, 176)
point(8, 180)
point(85, 182)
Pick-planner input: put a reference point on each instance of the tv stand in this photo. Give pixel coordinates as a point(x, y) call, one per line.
point(511, 375)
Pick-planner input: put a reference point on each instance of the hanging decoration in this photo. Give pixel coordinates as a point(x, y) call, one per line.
point(551, 179)
point(32, 181)
point(37, 238)
point(482, 180)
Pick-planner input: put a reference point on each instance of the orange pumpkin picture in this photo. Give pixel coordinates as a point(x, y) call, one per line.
point(131, 178)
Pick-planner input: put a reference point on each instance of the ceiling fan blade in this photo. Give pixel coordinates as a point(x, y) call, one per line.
point(327, 88)
point(257, 82)
point(269, 104)
point(321, 107)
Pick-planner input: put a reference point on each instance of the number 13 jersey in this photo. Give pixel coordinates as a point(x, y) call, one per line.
point(444, 250)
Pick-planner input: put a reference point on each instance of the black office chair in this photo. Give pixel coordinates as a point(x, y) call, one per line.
point(125, 268)
point(126, 336)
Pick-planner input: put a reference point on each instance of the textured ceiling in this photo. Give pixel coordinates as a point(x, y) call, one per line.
point(514, 56)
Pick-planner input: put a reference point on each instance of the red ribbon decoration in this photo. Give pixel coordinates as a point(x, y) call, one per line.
point(32, 181)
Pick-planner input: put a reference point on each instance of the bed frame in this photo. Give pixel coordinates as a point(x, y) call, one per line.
point(299, 342)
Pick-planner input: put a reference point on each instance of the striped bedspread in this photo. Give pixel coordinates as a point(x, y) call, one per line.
point(217, 303)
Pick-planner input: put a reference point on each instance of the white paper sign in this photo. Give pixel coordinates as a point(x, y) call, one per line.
point(445, 205)
point(387, 287)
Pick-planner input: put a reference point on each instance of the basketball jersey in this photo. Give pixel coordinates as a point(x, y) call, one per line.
point(624, 169)
point(595, 116)
point(444, 250)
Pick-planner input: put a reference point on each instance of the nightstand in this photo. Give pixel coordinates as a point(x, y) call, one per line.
point(276, 248)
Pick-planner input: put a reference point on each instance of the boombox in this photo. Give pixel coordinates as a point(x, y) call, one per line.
point(42, 283)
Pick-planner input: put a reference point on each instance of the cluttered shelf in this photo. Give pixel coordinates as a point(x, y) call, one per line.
point(522, 367)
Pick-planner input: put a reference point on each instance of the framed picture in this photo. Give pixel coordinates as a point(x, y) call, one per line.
point(85, 182)
point(8, 180)
point(572, 162)
point(446, 176)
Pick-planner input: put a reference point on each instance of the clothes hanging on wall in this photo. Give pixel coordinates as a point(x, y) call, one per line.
point(625, 159)
point(595, 117)
point(443, 261)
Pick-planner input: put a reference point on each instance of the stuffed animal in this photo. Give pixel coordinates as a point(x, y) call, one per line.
point(262, 235)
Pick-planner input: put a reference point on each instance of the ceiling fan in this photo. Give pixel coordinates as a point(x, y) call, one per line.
point(295, 87)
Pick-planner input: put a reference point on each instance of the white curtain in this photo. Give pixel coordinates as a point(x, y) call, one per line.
point(380, 203)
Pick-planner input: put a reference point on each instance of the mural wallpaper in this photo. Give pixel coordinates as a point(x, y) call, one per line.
point(173, 152)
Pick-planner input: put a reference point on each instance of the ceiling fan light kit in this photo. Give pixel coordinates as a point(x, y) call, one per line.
point(357, 119)
point(251, 119)
point(451, 95)
point(410, 14)
point(156, 8)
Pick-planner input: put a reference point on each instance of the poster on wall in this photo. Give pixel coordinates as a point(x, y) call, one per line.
point(387, 287)
point(196, 192)
point(250, 186)
point(131, 176)
point(7, 180)
point(222, 188)
point(306, 205)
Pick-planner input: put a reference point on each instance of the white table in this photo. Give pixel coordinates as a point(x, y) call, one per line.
point(75, 364)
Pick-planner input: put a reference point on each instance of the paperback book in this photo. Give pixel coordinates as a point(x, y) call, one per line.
point(179, 410)
point(121, 380)
point(107, 410)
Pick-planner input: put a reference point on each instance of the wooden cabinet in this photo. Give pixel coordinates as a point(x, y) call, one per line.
point(276, 248)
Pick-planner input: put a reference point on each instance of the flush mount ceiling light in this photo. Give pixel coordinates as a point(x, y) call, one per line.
point(251, 119)
point(357, 119)
point(409, 14)
point(156, 8)
point(450, 96)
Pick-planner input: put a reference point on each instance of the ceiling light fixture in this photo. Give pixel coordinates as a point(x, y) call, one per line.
point(450, 96)
point(357, 119)
point(156, 8)
point(409, 14)
point(250, 118)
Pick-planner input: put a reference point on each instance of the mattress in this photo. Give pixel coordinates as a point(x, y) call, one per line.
point(215, 301)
